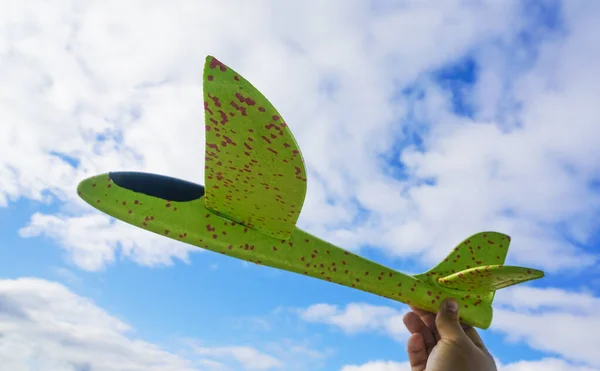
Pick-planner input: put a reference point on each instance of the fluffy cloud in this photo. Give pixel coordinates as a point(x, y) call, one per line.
point(379, 366)
point(546, 364)
point(88, 87)
point(251, 358)
point(550, 320)
point(91, 240)
point(45, 326)
point(357, 317)
point(92, 86)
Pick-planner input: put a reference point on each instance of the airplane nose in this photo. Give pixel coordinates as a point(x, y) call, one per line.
point(164, 187)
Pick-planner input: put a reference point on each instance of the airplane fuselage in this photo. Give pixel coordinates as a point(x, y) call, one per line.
point(189, 221)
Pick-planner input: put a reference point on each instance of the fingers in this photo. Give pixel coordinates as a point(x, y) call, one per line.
point(417, 352)
point(447, 321)
point(429, 320)
point(415, 325)
point(474, 336)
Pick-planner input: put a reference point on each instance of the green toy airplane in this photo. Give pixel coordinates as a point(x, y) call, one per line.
point(255, 187)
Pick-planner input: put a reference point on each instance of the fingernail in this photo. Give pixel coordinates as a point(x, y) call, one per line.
point(451, 306)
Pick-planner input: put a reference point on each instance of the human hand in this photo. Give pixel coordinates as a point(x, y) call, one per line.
point(440, 343)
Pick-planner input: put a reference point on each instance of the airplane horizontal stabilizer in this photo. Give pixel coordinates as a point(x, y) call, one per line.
point(489, 278)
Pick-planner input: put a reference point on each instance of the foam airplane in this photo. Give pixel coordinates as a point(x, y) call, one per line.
point(255, 185)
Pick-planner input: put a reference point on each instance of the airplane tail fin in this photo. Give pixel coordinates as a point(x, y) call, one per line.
point(475, 268)
point(481, 249)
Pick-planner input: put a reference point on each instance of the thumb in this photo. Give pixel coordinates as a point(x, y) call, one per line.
point(447, 321)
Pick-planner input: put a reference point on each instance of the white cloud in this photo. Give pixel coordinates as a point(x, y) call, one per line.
point(112, 86)
point(358, 317)
point(282, 354)
point(551, 320)
point(91, 240)
point(379, 366)
point(250, 358)
point(45, 326)
point(546, 364)
point(131, 74)
point(527, 297)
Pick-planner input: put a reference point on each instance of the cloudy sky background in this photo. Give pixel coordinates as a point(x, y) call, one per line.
point(421, 122)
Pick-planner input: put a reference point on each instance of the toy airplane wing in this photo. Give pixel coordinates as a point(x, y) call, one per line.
point(254, 173)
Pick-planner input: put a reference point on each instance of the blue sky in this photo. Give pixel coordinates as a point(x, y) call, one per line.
point(420, 124)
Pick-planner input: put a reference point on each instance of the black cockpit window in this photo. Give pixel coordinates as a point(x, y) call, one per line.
point(167, 188)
